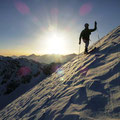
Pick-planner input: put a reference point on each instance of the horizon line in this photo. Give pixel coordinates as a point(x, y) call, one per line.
point(35, 54)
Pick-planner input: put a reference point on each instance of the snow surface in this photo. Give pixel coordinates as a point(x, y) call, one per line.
point(85, 88)
point(16, 77)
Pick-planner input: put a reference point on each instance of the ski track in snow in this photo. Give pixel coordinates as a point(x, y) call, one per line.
point(87, 88)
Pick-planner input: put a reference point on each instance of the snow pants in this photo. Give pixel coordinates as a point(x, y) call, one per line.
point(86, 45)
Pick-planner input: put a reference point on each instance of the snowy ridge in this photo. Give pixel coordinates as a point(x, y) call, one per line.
point(86, 88)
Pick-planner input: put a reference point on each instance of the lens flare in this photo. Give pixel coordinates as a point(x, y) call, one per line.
point(60, 73)
point(22, 7)
point(85, 9)
point(23, 71)
point(54, 11)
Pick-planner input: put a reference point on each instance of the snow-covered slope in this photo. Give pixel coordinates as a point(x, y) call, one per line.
point(16, 77)
point(86, 88)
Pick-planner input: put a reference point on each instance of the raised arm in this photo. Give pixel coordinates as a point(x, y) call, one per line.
point(95, 27)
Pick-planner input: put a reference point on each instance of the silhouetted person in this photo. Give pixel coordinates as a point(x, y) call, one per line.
point(85, 35)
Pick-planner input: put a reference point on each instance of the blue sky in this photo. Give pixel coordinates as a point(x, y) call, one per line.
point(25, 25)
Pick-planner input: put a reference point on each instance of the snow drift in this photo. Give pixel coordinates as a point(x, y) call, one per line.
point(86, 88)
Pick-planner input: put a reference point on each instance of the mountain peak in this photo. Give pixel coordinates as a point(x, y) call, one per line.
point(32, 55)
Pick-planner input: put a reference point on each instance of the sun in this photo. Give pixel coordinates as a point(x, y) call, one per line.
point(55, 42)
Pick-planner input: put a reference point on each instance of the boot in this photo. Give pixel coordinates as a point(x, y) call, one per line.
point(86, 51)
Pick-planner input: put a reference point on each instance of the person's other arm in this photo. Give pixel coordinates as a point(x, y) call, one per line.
point(80, 38)
point(95, 27)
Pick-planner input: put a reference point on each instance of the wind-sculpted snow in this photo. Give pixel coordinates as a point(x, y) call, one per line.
point(85, 88)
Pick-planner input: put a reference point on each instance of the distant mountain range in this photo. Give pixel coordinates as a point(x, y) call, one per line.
point(47, 59)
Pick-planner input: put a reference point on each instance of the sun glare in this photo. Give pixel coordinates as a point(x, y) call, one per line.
point(55, 42)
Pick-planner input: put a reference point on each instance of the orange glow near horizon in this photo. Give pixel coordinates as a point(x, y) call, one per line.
point(11, 52)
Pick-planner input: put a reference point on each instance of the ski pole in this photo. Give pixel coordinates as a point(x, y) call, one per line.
point(79, 51)
point(98, 34)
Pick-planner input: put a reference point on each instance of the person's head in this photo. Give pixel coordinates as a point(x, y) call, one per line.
point(86, 25)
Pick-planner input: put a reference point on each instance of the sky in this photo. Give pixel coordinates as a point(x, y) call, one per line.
point(53, 26)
